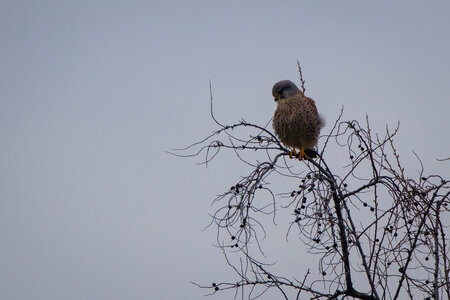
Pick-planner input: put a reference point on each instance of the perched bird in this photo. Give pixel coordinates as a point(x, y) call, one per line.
point(296, 121)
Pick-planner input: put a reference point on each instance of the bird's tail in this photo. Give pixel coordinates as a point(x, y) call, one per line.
point(311, 153)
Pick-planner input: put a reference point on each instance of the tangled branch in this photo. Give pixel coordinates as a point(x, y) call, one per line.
point(376, 232)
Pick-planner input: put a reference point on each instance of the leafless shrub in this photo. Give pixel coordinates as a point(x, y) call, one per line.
point(376, 232)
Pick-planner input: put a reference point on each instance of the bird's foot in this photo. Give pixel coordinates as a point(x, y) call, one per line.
point(292, 153)
point(302, 154)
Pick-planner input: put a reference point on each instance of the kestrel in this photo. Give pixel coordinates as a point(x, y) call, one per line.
point(296, 121)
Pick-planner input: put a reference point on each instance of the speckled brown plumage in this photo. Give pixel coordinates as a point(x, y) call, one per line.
point(296, 121)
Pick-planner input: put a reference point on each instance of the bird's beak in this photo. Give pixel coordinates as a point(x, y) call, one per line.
point(275, 98)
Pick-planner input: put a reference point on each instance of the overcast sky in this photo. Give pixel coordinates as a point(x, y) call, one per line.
point(92, 94)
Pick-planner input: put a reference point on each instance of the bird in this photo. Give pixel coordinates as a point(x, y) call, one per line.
point(296, 121)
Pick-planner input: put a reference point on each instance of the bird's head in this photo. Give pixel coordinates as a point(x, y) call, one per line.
point(284, 89)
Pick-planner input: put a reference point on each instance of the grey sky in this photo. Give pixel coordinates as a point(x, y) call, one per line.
point(93, 92)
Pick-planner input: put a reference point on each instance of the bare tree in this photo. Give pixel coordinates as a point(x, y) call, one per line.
point(376, 232)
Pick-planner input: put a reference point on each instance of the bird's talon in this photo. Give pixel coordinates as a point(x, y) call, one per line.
point(292, 153)
point(302, 154)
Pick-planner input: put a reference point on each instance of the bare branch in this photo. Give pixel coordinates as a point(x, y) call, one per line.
point(370, 225)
